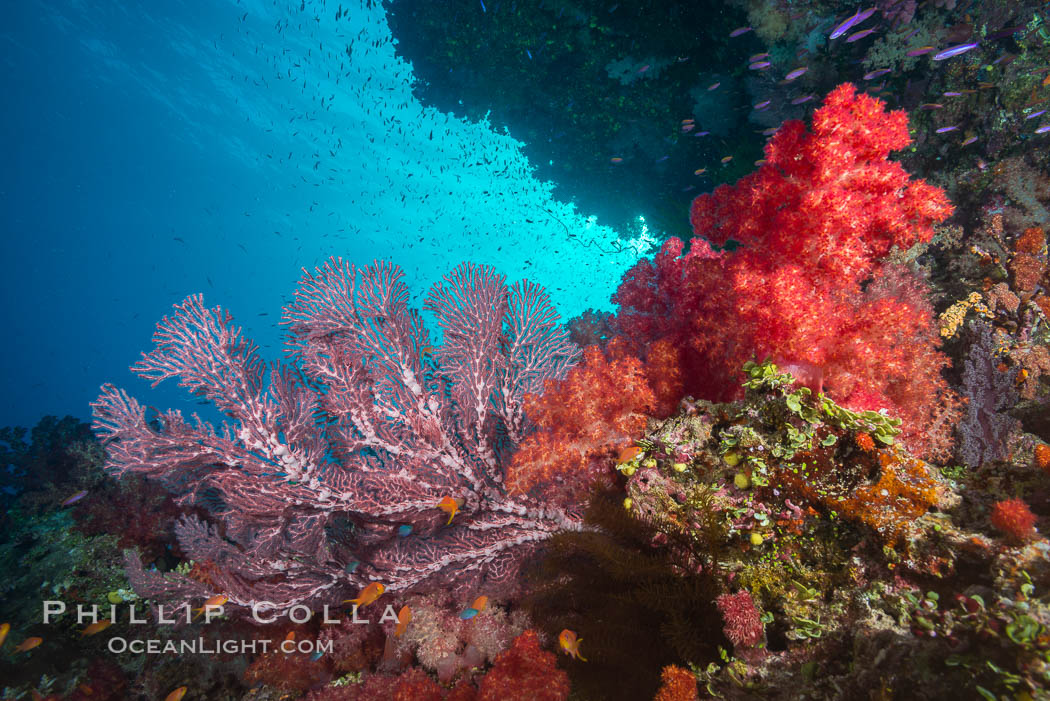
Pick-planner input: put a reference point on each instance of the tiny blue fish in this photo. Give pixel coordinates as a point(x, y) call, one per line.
point(352, 566)
point(404, 530)
point(529, 53)
point(317, 655)
point(483, 5)
point(954, 51)
point(468, 614)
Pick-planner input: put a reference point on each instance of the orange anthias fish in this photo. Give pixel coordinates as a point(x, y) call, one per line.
point(213, 602)
point(480, 603)
point(568, 641)
point(3, 632)
point(176, 695)
point(450, 506)
point(404, 617)
point(629, 454)
point(96, 627)
point(369, 594)
point(28, 644)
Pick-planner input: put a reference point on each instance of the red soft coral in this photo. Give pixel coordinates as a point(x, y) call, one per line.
point(1014, 518)
point(525, 672)
point(584, 420)
point(808, 285)
point(677, 684)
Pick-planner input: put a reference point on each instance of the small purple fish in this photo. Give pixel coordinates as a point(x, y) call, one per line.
point(760, 65)
point(739, 31)
point(857, 36)
point(661, 159)
point(801, 100)
point(1043, 129)
point(1033, 115)
point(771, 131)
point(758, 57)
point(969, 141)
point(954, 51)
point(945, 130)
point(762, 105)
point(701, 133)
point(922, 51)
point(797, 73)
point(1006, 32)
point(851, 23)
point(713, 86)
point(952, 94)
point(876, 73)
point(931, 106)
point(75, 498)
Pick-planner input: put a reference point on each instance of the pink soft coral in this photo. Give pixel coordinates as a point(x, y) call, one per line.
point(743, 624)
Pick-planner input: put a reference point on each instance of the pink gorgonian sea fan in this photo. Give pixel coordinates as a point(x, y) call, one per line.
point(328, 474)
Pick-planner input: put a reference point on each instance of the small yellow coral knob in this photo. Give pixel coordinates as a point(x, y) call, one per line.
point(741, 480)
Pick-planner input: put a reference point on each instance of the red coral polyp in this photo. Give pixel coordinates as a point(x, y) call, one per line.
point(1014, 519)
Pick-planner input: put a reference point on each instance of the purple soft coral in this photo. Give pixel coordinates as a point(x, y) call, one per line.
point(331, 478)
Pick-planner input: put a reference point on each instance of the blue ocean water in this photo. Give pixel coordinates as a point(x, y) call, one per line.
point(156, 150)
